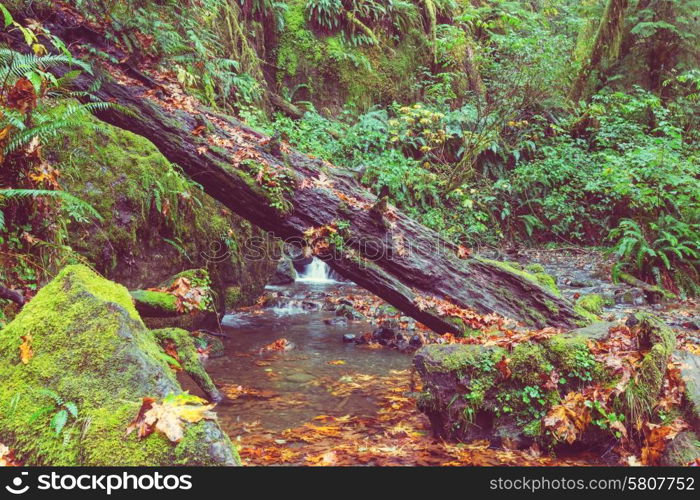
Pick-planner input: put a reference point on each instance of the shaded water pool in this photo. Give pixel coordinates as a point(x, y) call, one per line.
point(286, 389)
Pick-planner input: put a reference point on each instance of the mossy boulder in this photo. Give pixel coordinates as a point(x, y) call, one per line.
point(683, 450)
point(91, 352)
point(284, 274)
point(152, 303)
point(485, 392)
point(590, 306)
point(156, 222)
point(690, 373)
point(182, 343)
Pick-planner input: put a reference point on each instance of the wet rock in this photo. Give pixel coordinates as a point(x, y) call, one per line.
point(596, 331)
point(416, 341)
point(690, 373)
point(682, 450)
point(349, 337)
point(285, 273)
point(384, 335)
point(348, 312)
point(579, 283)
point(299, 378)
point(300, 263)
point(308, 305)
point(91, 348)
point(632, 296)
point(338, 321)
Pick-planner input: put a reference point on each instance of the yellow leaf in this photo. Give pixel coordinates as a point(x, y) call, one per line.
point(39, 49)
point(25, 349)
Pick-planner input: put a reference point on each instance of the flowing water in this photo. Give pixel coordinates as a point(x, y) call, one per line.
point(285, 389)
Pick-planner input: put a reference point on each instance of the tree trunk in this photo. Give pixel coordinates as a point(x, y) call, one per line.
point(606, 42)
point(314, 203)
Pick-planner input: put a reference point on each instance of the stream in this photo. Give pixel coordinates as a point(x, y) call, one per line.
point(323, 401)
point(291, 387)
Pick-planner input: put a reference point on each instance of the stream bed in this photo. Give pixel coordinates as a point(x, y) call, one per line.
point(323, 401)
point(287, 388)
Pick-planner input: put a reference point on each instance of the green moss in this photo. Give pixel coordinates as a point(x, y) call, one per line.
point(528, 363)
point(593, 303)
point(159, 301)
point(573, 359)
point(540, 278)
point(534, 268)
point(188, 357)
point(452, 357)
point(233, 297)
point(90, 348)
point(642, 392)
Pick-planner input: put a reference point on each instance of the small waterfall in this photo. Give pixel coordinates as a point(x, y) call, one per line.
point(316, 272)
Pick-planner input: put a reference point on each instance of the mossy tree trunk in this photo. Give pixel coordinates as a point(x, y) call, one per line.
point(308, 200)
point(606, 42)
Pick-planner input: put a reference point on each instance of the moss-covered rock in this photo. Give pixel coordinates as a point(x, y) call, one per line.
point(642, 392)
point(683, 450)
point(690, 373)
point(590, 305)
point(152, 303)
point(91, 355)
point(172, 297)
point(156, 222)
point(188, 358)
point(478, 392)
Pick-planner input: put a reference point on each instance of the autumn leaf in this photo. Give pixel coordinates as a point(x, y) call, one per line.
point(503, 367)
point(170, 416)
point(171, 350)
point(463, 252)
point(7, 457)
point(139, 423)
point(22, 96)
point(25, 349)
point(656, 438)
point(276, 346)
point(336, 362)
point(568, 420)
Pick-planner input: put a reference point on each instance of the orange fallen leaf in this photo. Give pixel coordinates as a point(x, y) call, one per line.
point(336, 362)
point(503, 367)
point(25, 349)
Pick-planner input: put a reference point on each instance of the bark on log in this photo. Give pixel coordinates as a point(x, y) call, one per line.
point(13, 295)
point(382, 249)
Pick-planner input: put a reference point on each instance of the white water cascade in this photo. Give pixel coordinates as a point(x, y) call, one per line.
point(316, 272)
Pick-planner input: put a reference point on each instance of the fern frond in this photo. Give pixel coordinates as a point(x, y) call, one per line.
point(61, 195)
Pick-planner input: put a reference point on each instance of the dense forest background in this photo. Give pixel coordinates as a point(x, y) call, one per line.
point(498, 123)
point(154, 153)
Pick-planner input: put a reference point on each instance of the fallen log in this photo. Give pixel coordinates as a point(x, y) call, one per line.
point(13, 295)
point(312, 202)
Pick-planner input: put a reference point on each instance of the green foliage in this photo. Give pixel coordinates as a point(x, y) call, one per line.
point(75, 207)
point(61, 411)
